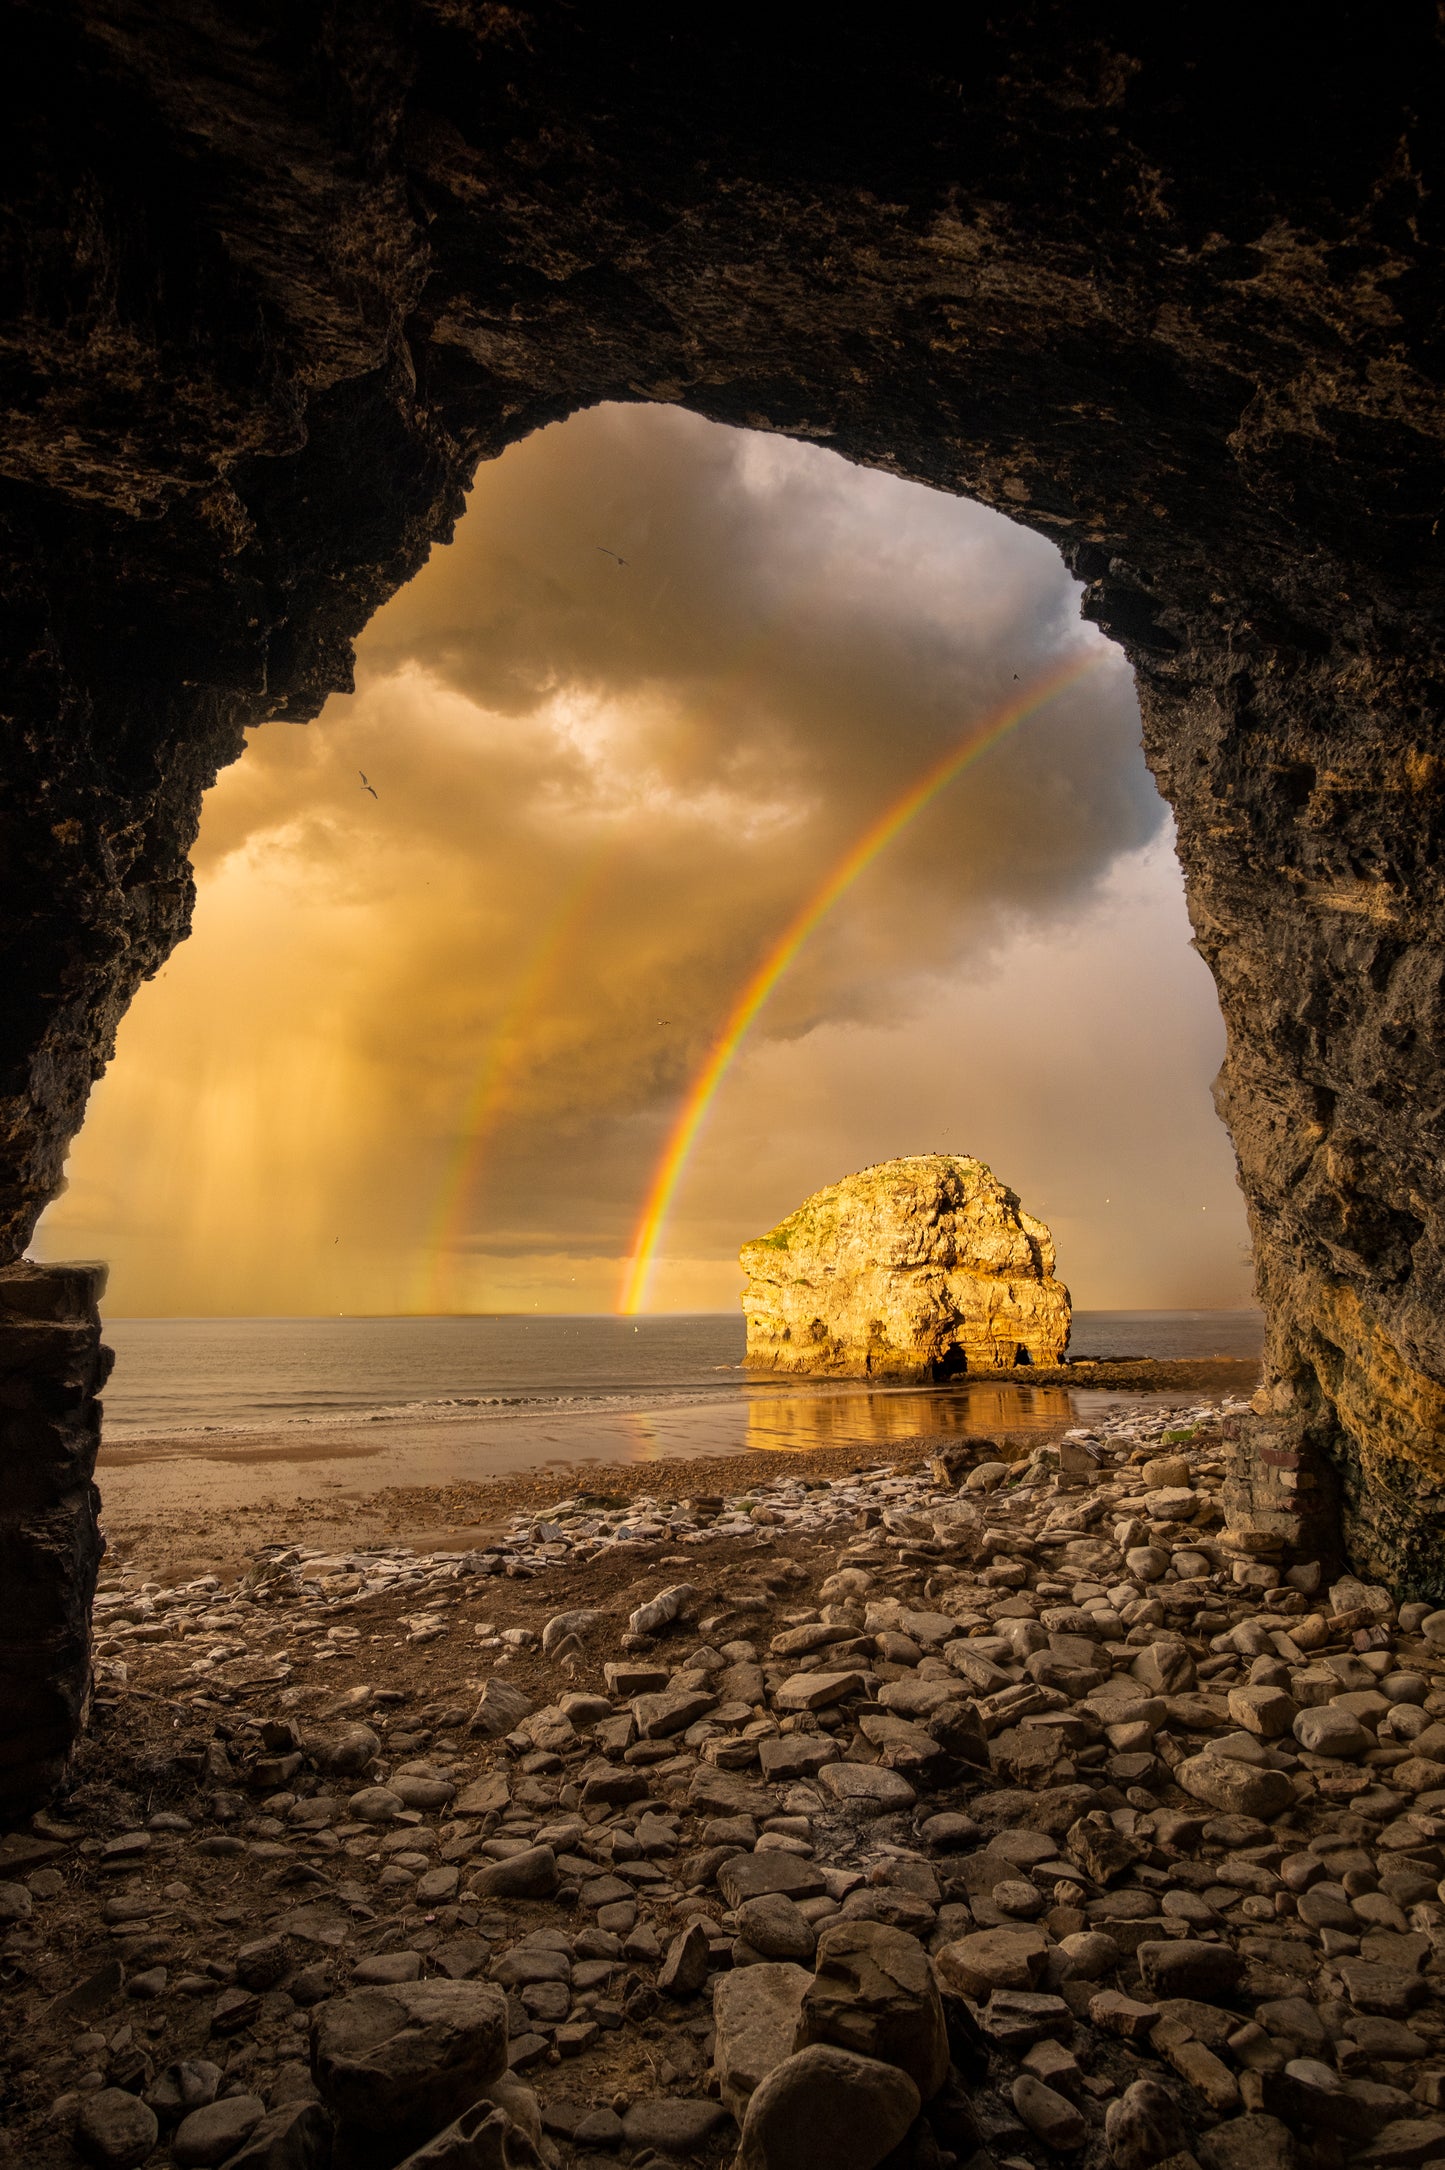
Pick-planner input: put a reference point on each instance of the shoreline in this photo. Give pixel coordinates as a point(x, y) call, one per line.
point(182, 1510)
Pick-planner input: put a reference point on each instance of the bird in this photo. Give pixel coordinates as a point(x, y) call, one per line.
point(664, 1020)
point(365, 785)
point(609, 553)
point(1016, 677)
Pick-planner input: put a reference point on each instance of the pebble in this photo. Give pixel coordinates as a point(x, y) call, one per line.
point(1032, 1741)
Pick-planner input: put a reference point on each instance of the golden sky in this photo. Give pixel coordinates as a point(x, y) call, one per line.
point(423, 1049)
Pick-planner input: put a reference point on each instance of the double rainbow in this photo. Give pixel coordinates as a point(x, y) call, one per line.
point(874, 839)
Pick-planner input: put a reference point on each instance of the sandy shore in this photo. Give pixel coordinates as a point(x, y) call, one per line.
point(189, 1503)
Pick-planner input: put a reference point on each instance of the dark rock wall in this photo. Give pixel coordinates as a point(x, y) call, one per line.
point(1161, 286)
point(52, 1367)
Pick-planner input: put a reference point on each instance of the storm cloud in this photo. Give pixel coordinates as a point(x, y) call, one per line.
point(424, 1047)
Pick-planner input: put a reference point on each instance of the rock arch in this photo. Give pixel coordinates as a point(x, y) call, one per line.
point(279, 277)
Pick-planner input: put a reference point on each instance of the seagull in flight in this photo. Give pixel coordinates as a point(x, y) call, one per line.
point(365, 785)
point(609, 553)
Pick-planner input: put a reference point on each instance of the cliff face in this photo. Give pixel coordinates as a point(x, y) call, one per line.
point(923, 1268)
point(275, 283)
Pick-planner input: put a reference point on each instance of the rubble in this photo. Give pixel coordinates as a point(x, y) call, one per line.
point(1007, 1822)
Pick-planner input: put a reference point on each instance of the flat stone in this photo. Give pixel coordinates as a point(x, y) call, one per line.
point(817, 1691)
point(396, 2064)
point(658, 1717)
point(1254, 2142)
point(115, 2130)
point(672, 2124)
point(211, 2136)
point(529, 1875)
point(786, 1757)
point(755, 2012)
point(1390, 1992)
point(1012, 1958)
point(748, 1876)
point(874, 1993)
point(1236, 1788)
point(826, 2106)
point(1189, 1968)
point(867, 1786)
point(486, 1796)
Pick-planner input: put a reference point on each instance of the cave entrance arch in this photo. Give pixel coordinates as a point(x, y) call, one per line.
point(273, 299)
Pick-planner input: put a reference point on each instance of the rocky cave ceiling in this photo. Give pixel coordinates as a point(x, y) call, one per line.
point(1162, 287)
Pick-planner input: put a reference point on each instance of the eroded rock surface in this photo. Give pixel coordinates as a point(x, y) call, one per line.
point(914, 1269)
point(275, 292)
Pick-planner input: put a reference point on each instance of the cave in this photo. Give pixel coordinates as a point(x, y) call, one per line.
point(279, 279)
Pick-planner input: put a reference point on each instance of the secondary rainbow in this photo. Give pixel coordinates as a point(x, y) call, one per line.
point(875, 838)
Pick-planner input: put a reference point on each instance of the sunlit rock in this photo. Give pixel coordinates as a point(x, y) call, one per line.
point(921, 1268)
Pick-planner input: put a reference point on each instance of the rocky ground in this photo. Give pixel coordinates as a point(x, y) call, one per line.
point(987, 1812)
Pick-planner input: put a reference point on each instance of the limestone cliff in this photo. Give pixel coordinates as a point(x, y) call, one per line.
point(914, 1269)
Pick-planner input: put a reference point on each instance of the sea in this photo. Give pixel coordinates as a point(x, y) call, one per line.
point(428, 1398)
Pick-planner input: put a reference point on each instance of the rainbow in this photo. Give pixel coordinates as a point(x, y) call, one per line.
point(487, 1096)
point(875, 838)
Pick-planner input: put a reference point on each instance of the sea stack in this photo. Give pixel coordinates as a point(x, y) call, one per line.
point(923, 1268)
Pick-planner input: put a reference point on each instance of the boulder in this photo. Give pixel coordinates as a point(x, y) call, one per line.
point(115, 2130)
point(874, 1993)
point(918, 1268)
point(772, 1927)
point(397, 2064)
point(1144, 2127)
point(826, 2106)
point(755, 2013)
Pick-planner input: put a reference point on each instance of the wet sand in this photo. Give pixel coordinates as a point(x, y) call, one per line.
point(194, 1502)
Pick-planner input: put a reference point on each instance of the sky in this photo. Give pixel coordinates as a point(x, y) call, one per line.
point(428, 1041)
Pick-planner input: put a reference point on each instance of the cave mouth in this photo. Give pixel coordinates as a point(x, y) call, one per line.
point(599, 748)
